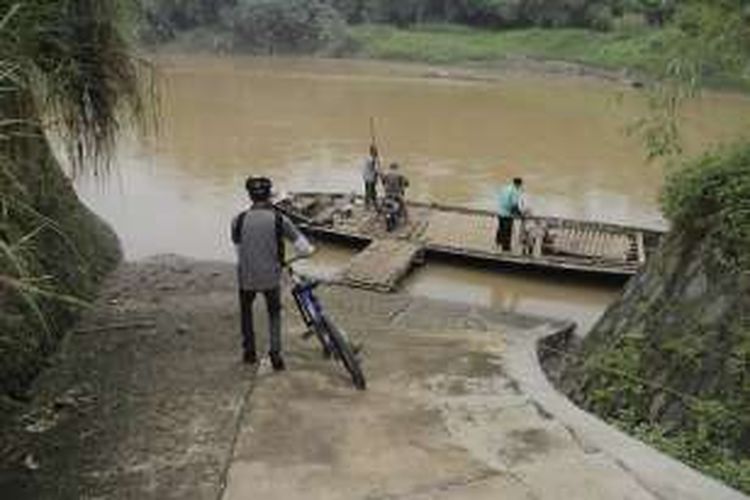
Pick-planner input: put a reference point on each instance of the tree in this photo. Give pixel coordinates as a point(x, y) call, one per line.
point(705, 40)
point(272, 26)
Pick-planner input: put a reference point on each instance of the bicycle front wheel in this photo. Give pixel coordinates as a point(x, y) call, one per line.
point(345, 353)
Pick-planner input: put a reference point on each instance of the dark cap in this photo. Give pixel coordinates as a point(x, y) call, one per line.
point(517, 181)
point(259, 188)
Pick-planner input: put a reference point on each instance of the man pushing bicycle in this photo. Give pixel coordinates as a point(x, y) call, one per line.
point(258, 234)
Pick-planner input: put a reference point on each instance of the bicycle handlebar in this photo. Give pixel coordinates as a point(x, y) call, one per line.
point(288, 263)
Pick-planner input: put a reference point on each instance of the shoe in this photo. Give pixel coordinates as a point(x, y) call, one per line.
point(277, 362)
point(249, 358)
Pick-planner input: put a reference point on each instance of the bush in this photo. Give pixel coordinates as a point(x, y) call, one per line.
point(281, 26)
point(164, 19)
point(710, 197)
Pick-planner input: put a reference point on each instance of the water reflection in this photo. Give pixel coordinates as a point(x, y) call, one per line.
point(515, 293)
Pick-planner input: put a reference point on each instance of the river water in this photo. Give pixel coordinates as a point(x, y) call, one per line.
point(306, 123)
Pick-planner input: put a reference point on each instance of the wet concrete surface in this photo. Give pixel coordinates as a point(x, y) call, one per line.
point(441, 418)
point(148, 400)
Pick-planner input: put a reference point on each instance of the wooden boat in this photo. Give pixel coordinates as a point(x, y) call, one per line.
point(434, 229)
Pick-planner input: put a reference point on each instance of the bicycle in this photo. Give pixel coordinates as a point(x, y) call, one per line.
point(333, 340)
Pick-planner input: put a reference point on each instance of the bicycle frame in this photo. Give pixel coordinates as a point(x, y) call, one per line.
point(307, 303)
point(333, 340)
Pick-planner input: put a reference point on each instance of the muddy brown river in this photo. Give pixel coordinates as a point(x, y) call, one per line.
point(306, 123)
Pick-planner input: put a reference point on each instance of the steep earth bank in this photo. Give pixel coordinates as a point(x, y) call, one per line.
point(670, 360)
point(54, 252)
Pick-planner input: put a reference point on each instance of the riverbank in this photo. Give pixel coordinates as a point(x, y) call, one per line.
point(565, 51)
point(631, 55)
point(147, 399)
point(616, 50)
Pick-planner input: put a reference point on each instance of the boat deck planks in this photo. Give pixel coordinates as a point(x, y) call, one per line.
point(461, 230)
point(381, 265)
point(542, 242)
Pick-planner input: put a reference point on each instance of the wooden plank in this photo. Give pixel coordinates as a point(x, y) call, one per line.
point(641, 249)
point(588, 240)
point(592, 243)
point(537, 251)
point(460, 231)
point(601, 242)
point(515, 237)
point(381, 265)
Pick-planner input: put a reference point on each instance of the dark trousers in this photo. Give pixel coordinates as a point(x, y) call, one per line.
point(504, 232)
point(371, 194)
point(273, 306)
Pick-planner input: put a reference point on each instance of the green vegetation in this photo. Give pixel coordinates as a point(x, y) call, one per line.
point(633, 49)
point(62, 62)
point(270, 26)
point(670, 361)
point(170, 16)
point(317, 26)
point(709, 199)
point(636, 35)
point(670, 364)
point(254, 26)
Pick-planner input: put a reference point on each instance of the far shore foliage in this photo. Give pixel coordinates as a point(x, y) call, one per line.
point(254, 25)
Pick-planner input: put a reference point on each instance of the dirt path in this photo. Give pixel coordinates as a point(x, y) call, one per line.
point(143, 399)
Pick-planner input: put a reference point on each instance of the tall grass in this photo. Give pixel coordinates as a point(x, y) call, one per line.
point(65, 66)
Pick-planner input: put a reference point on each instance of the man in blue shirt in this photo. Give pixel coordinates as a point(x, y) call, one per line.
point(510, 206)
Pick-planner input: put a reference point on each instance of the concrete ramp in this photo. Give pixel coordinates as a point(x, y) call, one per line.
point(381, 265)
point(439, 421)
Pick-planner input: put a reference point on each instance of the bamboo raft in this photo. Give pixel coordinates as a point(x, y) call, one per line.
point(560, 244)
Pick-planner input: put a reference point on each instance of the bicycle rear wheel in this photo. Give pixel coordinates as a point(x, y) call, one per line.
point(345, 354)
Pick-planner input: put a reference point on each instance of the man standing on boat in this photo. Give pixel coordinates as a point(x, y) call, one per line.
point(370, 174)
point(258, 235)
point(510, 206)
point(394, 185)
